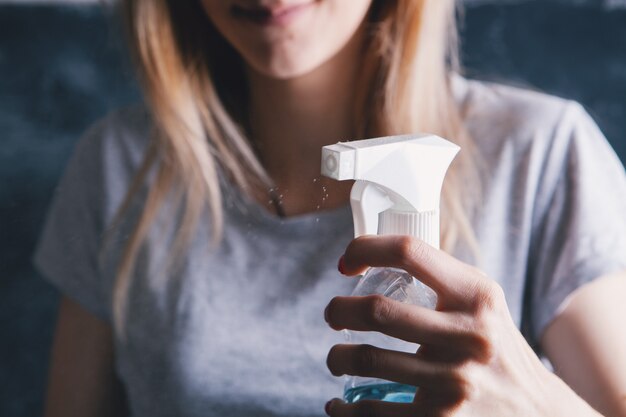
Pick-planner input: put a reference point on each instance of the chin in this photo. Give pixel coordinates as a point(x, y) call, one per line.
point(284, 68)
point(283, 73)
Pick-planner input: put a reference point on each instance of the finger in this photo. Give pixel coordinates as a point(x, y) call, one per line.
point(370, 408)
point(408, 322)
point(446, 275)
point(401, 367)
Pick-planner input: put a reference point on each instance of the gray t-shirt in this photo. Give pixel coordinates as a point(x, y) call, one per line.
point(238, 330)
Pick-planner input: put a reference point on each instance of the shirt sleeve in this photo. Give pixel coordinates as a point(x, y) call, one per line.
point(580, 229)
point(67, 252)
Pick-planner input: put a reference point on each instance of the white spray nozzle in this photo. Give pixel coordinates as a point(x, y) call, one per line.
point(398, 176)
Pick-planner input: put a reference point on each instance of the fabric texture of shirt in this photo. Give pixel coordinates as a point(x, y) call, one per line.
point(238, 329)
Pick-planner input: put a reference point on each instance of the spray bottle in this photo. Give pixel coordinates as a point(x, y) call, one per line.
point(397, 192)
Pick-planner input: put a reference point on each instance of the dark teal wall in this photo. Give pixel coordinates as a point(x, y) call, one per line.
point(60, 69)
point(574, 52)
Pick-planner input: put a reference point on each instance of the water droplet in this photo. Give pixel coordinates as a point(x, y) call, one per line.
point(314, 179)
point(280, 196)
point(317, 220)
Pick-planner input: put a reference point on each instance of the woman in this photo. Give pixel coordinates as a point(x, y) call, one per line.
point(196, 244)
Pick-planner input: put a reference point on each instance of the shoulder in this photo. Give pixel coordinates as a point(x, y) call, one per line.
point(504, 99)
point(106, 159)
point(110, 152)
point(121, 135)
point(534, 143)
point(500, 115)
point(129, 120)
point(517, 129)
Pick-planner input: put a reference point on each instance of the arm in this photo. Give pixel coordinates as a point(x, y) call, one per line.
point(586, 343)
point(82, 380)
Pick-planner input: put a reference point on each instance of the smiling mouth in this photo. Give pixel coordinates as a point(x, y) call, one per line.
point(266, 16)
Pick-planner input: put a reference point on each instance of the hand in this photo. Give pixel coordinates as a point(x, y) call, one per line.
point(473, 361)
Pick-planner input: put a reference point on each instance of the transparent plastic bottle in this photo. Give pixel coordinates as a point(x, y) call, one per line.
point(398, 285)
point(397, 192)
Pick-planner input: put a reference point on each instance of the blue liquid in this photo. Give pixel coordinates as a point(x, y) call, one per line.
point(391, 392)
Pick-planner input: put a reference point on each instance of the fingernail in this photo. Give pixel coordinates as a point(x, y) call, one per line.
point(327, 408)
point(341, 267)
point(326, 314)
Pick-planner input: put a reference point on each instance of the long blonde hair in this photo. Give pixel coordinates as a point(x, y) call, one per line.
point(199, 135)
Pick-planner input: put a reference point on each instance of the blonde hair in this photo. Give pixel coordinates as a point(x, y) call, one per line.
point(411, 50)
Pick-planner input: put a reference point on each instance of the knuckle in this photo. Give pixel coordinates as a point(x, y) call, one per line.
point(469, 386)
point(490, 296)
point(483, 347)
point(473, 335)
point(462, 381)
point(404, 248)
point(465, 391)
point(482, 336)
point(355, 244)
point(455, 376)
point(379, 311)
point(407, 249)
point(366, 359)
point(494, 293)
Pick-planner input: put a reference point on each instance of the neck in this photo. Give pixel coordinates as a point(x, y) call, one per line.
point(292, 119)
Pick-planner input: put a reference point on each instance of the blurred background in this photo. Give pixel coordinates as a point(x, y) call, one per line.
point(64, 64)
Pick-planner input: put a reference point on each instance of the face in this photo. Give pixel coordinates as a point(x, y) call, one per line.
point(286, 38)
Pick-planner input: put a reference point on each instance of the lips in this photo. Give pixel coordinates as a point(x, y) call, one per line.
point(269, 15)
